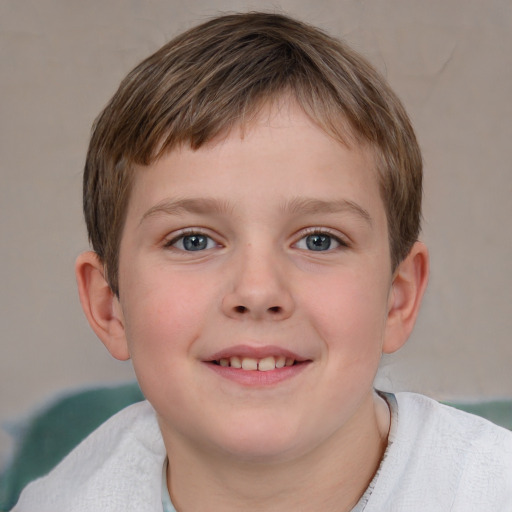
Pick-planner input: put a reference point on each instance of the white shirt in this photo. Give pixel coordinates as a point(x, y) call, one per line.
point(438, 460)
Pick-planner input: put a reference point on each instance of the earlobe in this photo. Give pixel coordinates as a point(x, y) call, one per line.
point(100, 305)
point(409, 284)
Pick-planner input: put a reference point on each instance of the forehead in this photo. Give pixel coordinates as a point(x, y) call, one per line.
point(280, 151)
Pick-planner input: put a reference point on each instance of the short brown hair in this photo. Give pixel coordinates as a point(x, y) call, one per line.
point(218, 74)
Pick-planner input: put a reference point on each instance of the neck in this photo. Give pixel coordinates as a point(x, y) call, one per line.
point(332, 477)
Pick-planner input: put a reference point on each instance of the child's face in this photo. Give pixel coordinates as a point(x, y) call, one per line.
point(270, 244)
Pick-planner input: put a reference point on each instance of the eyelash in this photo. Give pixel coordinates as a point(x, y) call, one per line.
point(303, 236)
point(185, 233)
point(343, 243)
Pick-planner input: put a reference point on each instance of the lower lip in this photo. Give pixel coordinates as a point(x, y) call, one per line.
point(256, 378)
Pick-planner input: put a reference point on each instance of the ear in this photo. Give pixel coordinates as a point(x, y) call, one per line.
point(100, 305)
point(409, 283)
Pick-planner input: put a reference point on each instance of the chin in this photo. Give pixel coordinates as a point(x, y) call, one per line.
point(261, 442)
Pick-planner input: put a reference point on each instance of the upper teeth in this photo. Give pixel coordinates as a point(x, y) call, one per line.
point(263, 365)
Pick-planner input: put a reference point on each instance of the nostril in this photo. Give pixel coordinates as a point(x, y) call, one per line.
point(274, 310)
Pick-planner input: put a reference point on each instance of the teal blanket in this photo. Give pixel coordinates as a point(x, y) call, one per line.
point(52, 433)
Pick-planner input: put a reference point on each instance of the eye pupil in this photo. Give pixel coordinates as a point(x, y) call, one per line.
point(318, 242)
point(195, 242)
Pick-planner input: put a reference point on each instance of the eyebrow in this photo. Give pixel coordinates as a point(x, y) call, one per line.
point(305, 205)
point(296, 206)
point(200, 206)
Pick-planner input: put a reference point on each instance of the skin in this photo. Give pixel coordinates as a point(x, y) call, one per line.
point(312, 441)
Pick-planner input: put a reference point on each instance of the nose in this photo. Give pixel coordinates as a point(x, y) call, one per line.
point(258, 288)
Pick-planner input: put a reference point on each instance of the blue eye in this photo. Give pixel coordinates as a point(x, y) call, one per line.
point(318, 242)
point(193, 242)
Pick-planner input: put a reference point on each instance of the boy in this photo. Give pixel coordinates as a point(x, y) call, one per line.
point(252, 193)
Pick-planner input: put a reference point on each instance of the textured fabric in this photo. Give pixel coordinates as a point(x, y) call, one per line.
point(118, 468)
point(46, 437)
point(441, 459)
point(56, 429)
point(438, 459)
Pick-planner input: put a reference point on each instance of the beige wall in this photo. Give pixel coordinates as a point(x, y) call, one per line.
point(449, 60)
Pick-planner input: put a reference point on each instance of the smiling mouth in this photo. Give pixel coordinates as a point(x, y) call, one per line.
point(264, 364)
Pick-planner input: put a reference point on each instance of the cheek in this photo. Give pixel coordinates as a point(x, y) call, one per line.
point(349, 311)
point(165, 316)
point(165, 311)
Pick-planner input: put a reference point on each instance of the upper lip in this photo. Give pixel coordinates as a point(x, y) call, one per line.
point(259, 352)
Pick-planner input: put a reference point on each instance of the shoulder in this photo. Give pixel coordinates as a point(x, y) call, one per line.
point(477, 452)
point(440, 458)
point(427, 419)
point(119, 463)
